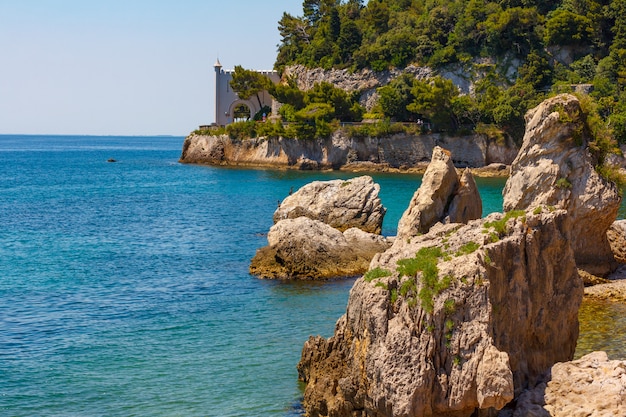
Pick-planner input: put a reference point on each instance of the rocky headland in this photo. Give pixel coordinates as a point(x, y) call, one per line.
point(461, 319)
point(397, 153)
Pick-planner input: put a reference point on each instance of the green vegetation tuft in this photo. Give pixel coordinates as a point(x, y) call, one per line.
point(381, 285)
point(449, 306)
point(500, 225)
point(393, 295)
point(538, 210)
point(466, 249)
point(376, 273)
point(425, 261)
point(563, 183)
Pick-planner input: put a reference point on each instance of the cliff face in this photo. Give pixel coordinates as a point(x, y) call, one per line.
point(459, 319)
point(364, 81)
point(396, 152)
point(555, 168)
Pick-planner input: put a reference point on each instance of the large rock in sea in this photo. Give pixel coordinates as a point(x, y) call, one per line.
point(338, 203)
point(303, 248)
point(442, 197)
point(326, 229)
point(590, 386)
point(555, 168)
point(455, 322)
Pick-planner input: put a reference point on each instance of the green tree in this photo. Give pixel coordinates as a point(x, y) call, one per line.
point(434, 100)
point(247, 83)
point(567, 28)
point(349, 40)
point(295, 36)
point(395, 97)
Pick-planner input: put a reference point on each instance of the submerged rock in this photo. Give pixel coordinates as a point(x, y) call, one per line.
point(441, 197)
point(338, 203)
point(457, 320)
point(555, 168)
point(302, 248)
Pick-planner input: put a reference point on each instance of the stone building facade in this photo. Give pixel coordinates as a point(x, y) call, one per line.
point(226, 100)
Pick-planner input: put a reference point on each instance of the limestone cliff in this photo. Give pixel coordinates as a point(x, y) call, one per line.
point(555, 168)
point(451, 322)
point(401, 152)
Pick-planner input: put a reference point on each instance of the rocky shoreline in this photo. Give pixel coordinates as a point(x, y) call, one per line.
point(467, 317)
point(400, 153)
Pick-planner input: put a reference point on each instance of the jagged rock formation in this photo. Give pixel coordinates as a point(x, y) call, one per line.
point(447, 331)
point(590, 386)
point(554, 168)
point(398, 152)
point(303, 248)
point(441, 197)
point(340, 204)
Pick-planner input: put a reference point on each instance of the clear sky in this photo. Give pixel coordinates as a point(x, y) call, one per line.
point(126, 67)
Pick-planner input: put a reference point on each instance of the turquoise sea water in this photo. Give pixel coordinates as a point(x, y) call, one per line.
point(124, 287)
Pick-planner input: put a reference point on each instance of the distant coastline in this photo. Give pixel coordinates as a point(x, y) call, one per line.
point(399, 153)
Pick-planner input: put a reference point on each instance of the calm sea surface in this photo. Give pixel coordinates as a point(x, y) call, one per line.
point(124, 287)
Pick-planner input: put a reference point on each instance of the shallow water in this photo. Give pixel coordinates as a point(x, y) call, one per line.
point(602, 327)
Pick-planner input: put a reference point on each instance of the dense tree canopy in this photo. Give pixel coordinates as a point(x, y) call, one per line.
point(550, 44)
point(393, 33)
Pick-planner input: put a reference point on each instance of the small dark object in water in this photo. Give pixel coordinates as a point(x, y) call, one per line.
point(111, 160)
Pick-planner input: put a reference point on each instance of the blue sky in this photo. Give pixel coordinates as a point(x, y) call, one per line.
point(125, 67)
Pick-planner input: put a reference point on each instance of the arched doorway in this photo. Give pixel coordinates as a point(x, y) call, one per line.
point(241, 113)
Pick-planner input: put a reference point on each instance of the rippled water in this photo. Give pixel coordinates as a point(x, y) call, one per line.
point(602, 327)
point(124, 286)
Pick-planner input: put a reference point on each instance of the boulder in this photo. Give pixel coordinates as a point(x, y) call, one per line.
point(441, 196)
point(554, 168)
point(302, 248)
point(338, 203)
point(455, 321)
point(590, 386)
point(617, 239)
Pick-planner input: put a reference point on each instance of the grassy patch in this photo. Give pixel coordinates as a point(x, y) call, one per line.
point(500, 225)
point(381, 285)
point(376, 273)
point(538, 210)
point(425, 261)
point(469, 247)
point(449, 306)
point(563, 183)
point(612, 173)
